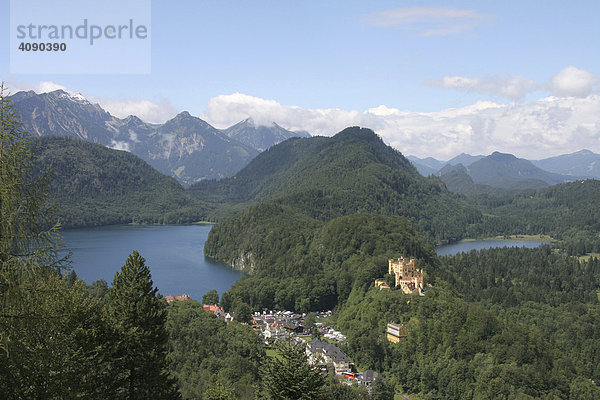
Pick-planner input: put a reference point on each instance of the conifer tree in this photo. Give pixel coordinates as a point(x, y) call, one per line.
point(139, 318)
point(50, 334)
point(289, 376)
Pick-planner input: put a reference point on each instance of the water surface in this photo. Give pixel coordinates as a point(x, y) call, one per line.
point(174, 253)
point(456, 248)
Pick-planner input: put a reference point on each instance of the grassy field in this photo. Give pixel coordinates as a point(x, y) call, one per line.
point(588, 256)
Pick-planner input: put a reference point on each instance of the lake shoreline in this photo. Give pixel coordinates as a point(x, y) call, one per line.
point(523, 238)
point(174, 254)
point(482, 244)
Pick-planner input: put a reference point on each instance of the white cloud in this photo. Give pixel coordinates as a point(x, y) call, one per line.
point(146, 110)
point(513, 87)
point(428, 21)
point(570, 82)
point(42, 87)
point(573, 81)
point(549, 126)
point(133, 136)
point(45, 87)
point(225, 110)
point(119, 145)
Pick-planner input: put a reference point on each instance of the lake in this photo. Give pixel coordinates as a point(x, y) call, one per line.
point(456, 248)
point(174, 253)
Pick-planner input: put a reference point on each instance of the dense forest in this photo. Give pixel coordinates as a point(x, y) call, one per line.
point(499, 323)
point(299, 263)
point(568, 212)
point(94, 185)
point(353, 171)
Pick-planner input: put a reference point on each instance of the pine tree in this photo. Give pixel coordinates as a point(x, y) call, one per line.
point(289, 376)
point(50, 333)
point(139, 318)
point(28, 229)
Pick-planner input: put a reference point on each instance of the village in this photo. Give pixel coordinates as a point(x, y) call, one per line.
point(320, 338)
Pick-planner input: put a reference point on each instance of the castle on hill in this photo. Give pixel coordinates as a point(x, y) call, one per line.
point(407, 276)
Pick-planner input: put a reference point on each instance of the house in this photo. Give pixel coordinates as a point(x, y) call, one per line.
point(275, 331)
point(368, 377)
point(328, 354)
point(212, 308)
point(229, 316)
point(396, 332)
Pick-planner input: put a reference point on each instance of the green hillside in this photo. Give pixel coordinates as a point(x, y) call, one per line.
point(569, 211)
point(353, 171)
point(303, 264)
point(95, 185)
point(331, 212)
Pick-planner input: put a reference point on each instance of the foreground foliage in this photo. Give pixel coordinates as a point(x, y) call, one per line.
point(55, 340)
point(204, 350)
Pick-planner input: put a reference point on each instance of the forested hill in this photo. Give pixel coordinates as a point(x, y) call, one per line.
point(353, 171)
point(309, 163)
point(569, 211)
point(95, 185)
point(303, 264)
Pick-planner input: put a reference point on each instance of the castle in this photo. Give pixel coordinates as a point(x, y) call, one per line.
point(407, 276)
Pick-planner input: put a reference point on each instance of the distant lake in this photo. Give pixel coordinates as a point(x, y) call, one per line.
point(174, 253)
point(456, 248)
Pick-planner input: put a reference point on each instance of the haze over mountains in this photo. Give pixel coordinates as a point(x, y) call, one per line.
point(469, 174)
point(260, 137)
point(191, 150)
point(185, 147)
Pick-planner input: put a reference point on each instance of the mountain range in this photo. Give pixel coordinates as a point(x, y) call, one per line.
point(185, 147)
point(260, 137)
point(328, 177)
point(191, 150)
point(469, 174)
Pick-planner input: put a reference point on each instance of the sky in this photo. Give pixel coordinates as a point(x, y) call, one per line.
point(431, 78)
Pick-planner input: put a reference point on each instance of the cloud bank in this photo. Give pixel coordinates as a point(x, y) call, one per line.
point(148, 111)
point(549, 126)
point(566, 120)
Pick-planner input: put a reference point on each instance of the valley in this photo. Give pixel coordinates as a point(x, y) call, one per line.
point(311, 222)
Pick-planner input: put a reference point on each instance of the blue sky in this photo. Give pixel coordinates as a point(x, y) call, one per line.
point(432, 78)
